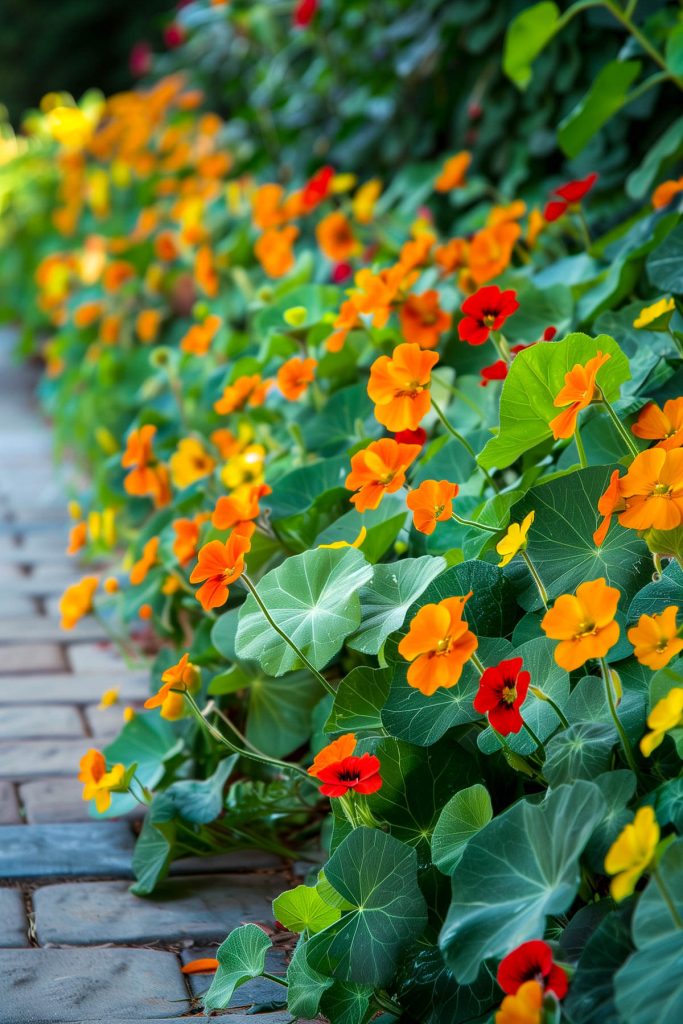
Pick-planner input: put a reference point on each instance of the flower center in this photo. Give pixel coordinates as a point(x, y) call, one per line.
point(509, 693)
point(661, 490)
point(663, 643)
point(438, 509)
point(443, 646)
point(585, 629)
point(349, 776)
point(489, 318)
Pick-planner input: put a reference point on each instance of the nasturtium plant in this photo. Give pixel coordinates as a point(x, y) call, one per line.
point(384, 458)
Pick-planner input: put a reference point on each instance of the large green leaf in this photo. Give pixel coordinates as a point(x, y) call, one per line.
point(606, 96)
point(200, 801)
point(529, 390)
point(431, 994)
point(591, 993)
point(656, 596)
point(560, 542)
point(527, 35)
point(580, 752)
point(665, 264)
point(377, 874)
point(313, 598)
point(298, 490)
point(386, 598)
point(242, 956)
point(279, 715)
point(303, 909)
point(359, 700)
point(348, 1003)
point(305, 986)
point(156, 846)
point(383, 525)
point(519, 868)
point(649, 987)
point(463, 816)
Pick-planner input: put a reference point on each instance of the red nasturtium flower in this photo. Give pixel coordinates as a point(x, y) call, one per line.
point(360, 774)
point(418, 436)
point(532, 961)
point(502, 691)
point(379, 469)
point(399, 386)
point(335, 751)
point(665, 426)
point(570, 195)
point(438, 644)
point(653, 489)
point(583, 623)
point(580, 389)
point(486, 311)
point(219, 565)
point(431, 503)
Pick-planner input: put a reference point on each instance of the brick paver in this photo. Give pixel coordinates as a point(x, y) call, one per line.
point(71, 934)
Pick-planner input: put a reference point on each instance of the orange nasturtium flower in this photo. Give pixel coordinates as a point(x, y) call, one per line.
point(186, 539)
point(138, 573)
point(198, 339)
point(190, 462)
point(422, 319)
point(579, 391)
point(147, 476)
point(490, 251)
point(219, 565)
point(335, 237)
point(632, 852)
point(399, 386)
point(98, 783)
point(294, 376)
point(78, 536)
point(182, 676)
point(665, 192)
point(379, 469)
point(667, 714)
point(453, 172)
point(438, 644)
point(514, 540)
point(249, 390)
point(431, 503)
point(274, 250)
point(335, 751)
point(240, 507)
point(88, 313)
point(583, 623)
point(653, 488)
point(665, 426)
point(655, 639)
point(147, 324)
point(525, 1006)
point(609, 504)
point(77, 601)
point(205, 273)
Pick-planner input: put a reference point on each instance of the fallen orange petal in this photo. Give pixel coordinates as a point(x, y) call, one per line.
point(204, 965)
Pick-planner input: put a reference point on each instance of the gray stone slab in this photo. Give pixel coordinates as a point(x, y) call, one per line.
point(22, 760)
point(95, 657)
point(54, 800)
point(67, 688)
point(15, 604)
point(18, 658)
point(55, 986)
point(99, 848)
point(105, 723)
point(45, 629)
point(256, 990)
point(236, 860)
point(50, 720)
point(201, 909)
point(9, 805)
point(13, 922)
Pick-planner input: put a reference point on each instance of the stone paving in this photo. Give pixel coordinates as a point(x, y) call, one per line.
point(75, 945)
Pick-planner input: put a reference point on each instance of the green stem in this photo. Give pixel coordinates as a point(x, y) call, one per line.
point(666, 896)
point(628, 753)
point(542, 695)
point(649, 83)
point(501, 346)
point(272, 762)
point(275, 978)
point(621, 429)
point(464, 442)
point(583, 228)
point(478, 664)
point(477, 526)
point(290, 643)
point(624, 17)
point(534, 737)
point(579, 447)
point(536, 578)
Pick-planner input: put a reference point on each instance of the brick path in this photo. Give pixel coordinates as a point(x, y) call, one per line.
point(75, 946)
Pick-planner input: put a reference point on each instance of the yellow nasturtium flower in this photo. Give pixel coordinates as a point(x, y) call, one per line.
point(514, 540)
point(632, 852)
point(667, 714)
point(649, 314)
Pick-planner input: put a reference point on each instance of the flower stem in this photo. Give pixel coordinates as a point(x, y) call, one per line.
point(624, 16)
point(478, 664)
point(477, 526)
point(534, 737)
point(628, 753)
point(290, 643)
point(275, 978)
point(543, 593)
point(667, 897)
point(542, 695)
point(583, 228)
point(464, 442)
point(580, 448)
point(621, 429)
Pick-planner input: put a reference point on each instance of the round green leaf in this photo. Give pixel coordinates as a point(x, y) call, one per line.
point(242, 956)
point(463, 816)
point(303, 909)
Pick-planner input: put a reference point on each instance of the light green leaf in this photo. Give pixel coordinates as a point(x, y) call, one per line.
point(463, 816)
point(242, 956)
point(674, 50)
point(386, 598)
point(303, 909)
point(605, 97)
point(359, 700)
point(527, 35)
point(313, 598)
point(529, 390)
point(501, 900)
point(305, 986)
point(378, 875)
